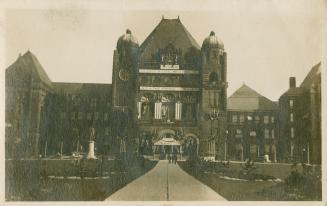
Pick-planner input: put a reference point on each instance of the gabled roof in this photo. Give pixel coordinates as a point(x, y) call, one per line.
point(313, 77)
point(167, 31)
point(30, 63)
point(82, 88)
point(294, 91)
point(247, 99)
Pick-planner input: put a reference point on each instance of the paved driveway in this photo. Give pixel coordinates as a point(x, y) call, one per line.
point(165, 182)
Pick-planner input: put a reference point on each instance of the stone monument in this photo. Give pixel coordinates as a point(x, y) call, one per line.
point(90, 154)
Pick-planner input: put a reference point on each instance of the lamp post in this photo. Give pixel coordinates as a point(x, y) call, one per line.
point(213, 116)
point(226, 144)
point(308, 152)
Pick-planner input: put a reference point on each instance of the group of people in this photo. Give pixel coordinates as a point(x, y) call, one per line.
point(172, 158)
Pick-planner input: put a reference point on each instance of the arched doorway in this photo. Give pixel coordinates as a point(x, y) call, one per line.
point(165, 144)
point(166, 133)
point(190, 145)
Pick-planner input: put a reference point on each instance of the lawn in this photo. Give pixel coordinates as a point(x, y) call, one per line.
point(235, 189)
point(232, 184)
point(27, 181)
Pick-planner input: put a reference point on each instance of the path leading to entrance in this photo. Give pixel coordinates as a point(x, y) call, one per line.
point(165, 182)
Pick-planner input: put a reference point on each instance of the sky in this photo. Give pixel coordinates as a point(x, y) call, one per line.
point(266, 41)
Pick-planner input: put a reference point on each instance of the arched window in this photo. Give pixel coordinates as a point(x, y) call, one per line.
point(213, 78)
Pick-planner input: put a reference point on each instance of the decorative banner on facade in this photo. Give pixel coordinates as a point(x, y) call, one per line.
point(169, 89)
point(168, 71)
point(157, 110)
point(178, 111)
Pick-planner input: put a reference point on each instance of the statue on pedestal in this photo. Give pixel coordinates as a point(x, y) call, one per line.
point(90, 154)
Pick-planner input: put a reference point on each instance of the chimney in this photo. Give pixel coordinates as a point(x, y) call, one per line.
point(292, 82)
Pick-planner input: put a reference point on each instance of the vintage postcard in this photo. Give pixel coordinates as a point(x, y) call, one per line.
point(208, 102)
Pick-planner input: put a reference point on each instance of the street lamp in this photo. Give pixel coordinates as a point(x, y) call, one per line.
point(226, 144)
point(213, 116)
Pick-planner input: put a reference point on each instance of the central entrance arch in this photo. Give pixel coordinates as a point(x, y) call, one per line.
point(166, 132)
point(191, 145)
point(166, 144)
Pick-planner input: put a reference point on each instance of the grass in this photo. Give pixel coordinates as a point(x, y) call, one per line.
point(305, 186)
point(236, 190)
point(25, 184)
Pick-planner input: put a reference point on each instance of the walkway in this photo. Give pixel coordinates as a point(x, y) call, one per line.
point(165, 182)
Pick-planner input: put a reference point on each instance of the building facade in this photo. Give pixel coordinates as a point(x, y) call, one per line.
point(167, 87)
point(47, 118)
point(252, 121)
point(170, 87)
point(26, 88)
point(300, 119)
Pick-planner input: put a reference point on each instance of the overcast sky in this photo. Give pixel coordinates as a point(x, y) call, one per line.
point(266, 42)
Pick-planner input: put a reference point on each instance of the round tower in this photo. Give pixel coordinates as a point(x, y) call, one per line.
point(125, 88)
point(214, 96)
point(125, 70)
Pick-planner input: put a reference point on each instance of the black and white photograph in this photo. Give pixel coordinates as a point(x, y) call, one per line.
point(163, 101)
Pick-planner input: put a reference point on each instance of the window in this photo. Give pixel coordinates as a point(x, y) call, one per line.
point(73, 116)
point(108, 104)
point(267, 148)
point(291, 117)
point(93, 102)
point(257, 118)
point(250, 118)
point(238, 133)
point(80, 115)
point(234, 118)
point(266, 119)
point(272, 134)
point(241, 118)
point(76, 101)
point(292, 132)
point(266, 134)
point(89, 116)
point(62, 115)
point(213, 78)
point(291, 103)
point(106, 131)
point(105, 116)
point(96, 115)
point(272, 119)
point(253, 134)
point(221, 59)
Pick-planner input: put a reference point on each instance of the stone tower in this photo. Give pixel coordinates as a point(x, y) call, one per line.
point(125, 71)
point(213, 102)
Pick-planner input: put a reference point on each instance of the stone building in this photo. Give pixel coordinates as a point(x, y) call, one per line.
point(167, 87)
point(252, 121)
point(44, 117)
point(300, 119)
point(170, 87)
point(26, 88)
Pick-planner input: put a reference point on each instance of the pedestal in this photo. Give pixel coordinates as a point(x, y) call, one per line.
point(91, 155)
